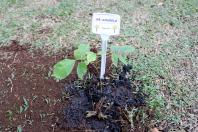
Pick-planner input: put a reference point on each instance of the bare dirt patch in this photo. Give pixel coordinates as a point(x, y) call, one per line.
point(25, 74)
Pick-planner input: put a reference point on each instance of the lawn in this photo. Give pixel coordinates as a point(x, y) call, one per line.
point(35, 34)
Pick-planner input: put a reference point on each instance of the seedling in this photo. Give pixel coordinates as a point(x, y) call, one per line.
point(120, 53)
point(83, 56)
point(104, 24)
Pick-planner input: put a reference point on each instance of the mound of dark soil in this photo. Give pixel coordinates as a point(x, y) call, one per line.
point(101, 105)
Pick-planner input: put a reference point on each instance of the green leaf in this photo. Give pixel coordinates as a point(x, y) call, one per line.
point(25, 101)
point(81, 70)
point(123, 59)
point(91, 56)
point(20, 109)
point(19, 128)
point(80, 53)
point(63, 68)
point(114, 58)
point(25, 107)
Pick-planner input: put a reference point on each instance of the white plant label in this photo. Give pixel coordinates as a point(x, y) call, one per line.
point(106, 24)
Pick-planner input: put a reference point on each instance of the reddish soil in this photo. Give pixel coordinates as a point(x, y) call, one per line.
point(26, 74)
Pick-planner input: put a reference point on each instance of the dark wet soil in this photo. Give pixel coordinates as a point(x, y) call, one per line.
point(101, 105)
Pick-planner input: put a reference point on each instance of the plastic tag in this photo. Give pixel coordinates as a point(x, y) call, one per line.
point(106, 23)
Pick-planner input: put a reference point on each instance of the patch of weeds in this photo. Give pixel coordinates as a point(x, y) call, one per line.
point(121, 53)
point(64, 8)
point(156, 104)
point(5, 4)
point(7, 30)
point(30, 20)
point(154, 111)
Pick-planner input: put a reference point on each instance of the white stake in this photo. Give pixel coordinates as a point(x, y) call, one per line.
point(105, 24)
point(105, 39)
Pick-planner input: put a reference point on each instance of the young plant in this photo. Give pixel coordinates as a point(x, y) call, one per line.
point(120, 53)
point(83, 56)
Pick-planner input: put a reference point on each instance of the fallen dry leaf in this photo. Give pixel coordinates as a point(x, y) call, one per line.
point(91, 113)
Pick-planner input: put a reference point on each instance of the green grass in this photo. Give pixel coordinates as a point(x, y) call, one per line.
point(165, 34)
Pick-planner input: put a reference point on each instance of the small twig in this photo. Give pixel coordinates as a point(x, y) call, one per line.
point(126, 116)
point(14, 59)
point(53, 127)
point(100, 104)
point(10, 80)
point(108, 107)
